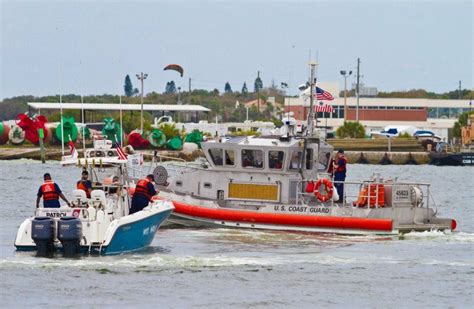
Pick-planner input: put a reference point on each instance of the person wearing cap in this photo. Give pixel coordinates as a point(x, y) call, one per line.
point(85, 184)
point(144, 191)
point(339, 169)
point(50, 192)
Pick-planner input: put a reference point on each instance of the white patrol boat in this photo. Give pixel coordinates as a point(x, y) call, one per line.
point(283, 183)
point(99, 224)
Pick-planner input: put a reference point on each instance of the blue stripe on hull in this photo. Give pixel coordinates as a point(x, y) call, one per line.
point(135, 236)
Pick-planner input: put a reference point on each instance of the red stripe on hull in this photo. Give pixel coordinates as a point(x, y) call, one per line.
point(283, 219)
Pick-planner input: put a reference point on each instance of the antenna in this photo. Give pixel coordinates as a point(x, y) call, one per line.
point(61, 102)
point(61, 109)
point(82, 115)
point(357, 88)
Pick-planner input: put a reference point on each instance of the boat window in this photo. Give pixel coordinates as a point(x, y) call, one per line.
point(295, 162)
point(309, 159)
point(229, 157)
point(216, 156)
point(275, 159)
point(323, 160)
point(252, 158)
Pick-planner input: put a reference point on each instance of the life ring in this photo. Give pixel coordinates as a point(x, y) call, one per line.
point(328, 188)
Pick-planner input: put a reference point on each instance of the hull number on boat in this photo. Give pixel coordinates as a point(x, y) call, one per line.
point(148, 230)
point(301, 209)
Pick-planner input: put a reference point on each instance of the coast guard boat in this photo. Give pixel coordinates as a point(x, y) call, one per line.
point(101, 224)
point(283, 183)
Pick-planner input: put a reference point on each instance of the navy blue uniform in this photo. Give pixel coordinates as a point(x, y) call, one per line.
point(340, 175)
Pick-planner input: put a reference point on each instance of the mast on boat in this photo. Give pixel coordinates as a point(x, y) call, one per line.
point(312, 85)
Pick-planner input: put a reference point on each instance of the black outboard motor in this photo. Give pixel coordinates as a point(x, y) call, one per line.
point(70, 234)
point(42, 233)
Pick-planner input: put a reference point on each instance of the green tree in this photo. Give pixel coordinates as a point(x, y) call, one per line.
point(131, 120)
point(258, 85)
point(351, 130)
point(170, 87)
point(128, 87)
point(462, 122)
point(244, 91)
point(169, 129)
point(227, 88)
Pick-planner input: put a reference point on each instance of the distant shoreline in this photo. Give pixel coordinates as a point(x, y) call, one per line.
point(371, 157)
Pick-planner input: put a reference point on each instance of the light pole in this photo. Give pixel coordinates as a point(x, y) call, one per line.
point(358, 89)
point(285, 86)
point(141, 77)
point(346, 75)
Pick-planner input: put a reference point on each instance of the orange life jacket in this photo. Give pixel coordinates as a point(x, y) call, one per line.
point(82, 186)
point(142, 189)
point(341, 168)
point(374, 195)
point(49, 191)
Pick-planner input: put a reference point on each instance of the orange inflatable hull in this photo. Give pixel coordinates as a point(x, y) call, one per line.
point(367, 224)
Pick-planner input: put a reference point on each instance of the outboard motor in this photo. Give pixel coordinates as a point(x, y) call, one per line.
point(42, 233)
point(70, 234)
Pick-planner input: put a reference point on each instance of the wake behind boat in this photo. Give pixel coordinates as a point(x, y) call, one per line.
point(100, 224)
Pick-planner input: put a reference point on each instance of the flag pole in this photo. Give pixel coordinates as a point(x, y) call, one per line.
point(121, 128)
point(311, 99)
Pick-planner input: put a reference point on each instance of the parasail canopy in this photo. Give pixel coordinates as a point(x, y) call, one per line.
point(175, 67)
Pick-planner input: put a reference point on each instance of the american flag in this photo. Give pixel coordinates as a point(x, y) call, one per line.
point(323, 95)
point(121, 153)
point(323, 108)
point(72, 149)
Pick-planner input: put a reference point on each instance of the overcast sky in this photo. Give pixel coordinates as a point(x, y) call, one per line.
point(91, 45)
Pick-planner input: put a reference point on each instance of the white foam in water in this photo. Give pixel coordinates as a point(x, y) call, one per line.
point(162, 261)
point(462, 237)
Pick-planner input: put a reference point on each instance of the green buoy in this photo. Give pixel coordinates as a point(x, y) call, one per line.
point(69, 128)
point(175, 143)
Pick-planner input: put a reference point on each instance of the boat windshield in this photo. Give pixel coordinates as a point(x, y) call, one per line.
point(295, 162)
point(105, 178)
point(323, 161)
point(216, 156)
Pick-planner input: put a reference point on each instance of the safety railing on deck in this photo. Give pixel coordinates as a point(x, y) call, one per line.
point(371, 194)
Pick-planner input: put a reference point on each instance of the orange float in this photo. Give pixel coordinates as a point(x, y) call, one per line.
point(328, 188)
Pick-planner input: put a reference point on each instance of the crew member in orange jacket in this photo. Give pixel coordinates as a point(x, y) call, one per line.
point(144, 191)
point(85, 184)
point(50, 192)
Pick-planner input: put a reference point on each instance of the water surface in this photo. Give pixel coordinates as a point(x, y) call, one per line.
point(218, 268)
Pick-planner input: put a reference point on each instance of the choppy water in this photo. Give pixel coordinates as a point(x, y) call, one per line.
point(239, 268)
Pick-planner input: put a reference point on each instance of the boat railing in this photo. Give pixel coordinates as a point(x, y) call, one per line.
point(372, 197)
